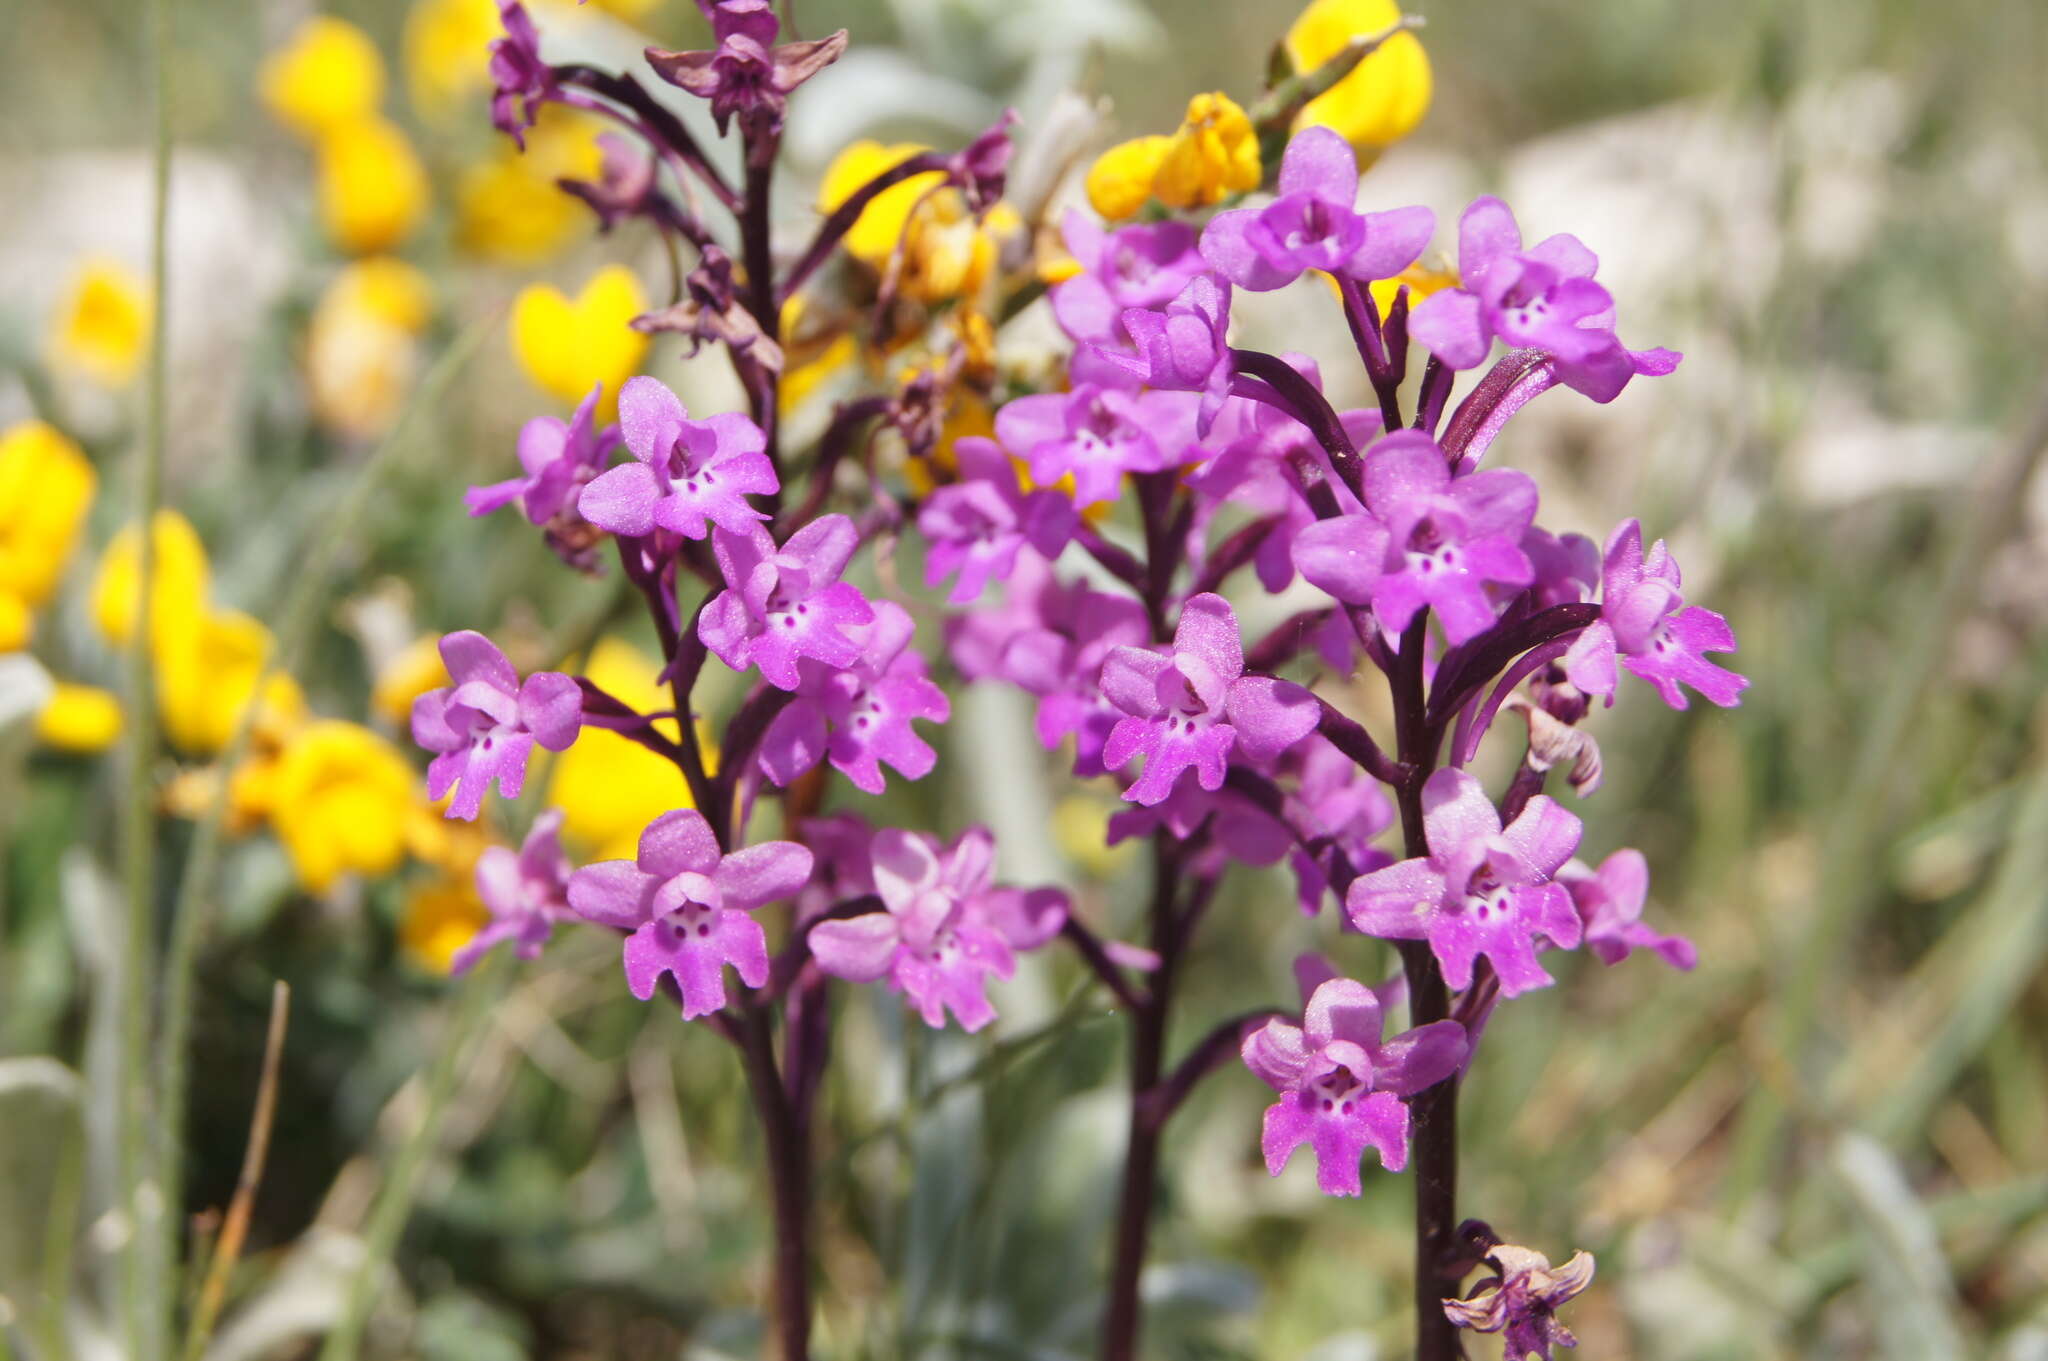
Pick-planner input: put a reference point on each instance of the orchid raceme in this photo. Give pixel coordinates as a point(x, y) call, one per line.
point(1108, 524)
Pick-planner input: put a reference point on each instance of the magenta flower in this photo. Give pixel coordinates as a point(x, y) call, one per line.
point(686, 473)
point(1543, 298)
point(748, 75)
point(860, 715)
point(946, 929)
point(1641, 618)
point(559, 459)
point(1338, 809)
point(978, 525)
point(1481, 890)
point(520, 81)
point(1137, 266)
point(686, 907)
point(526, 891)
point(1567, 567)
point(1610, 904)
point(782, 604)
point(1340, 1088)
point(1522, 1299)
point(1313, 225)
point(1428, 540)
point(1191, 706)
point(483, 727)
point(1182, 347)
point(1095, 434)
point(1239, 830)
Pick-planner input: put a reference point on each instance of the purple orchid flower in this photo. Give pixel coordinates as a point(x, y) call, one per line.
point(946, 929)
point(559, 459)
point(1521, 1301)
point(686, 907)
point(1566, 566)
point(1610, 904)
point(978, 525)
point(1313, 225)
point(1337, 808)
point(1191, 706)
point(860, 715)
point(1481, 890)
point(1641, 618)
point(1542, 298)
point(981, 169)
point(1340, 1088)
point(1182, 347)
point(520, 80)
point(686, 474)
point(747, 75)
point(1427, 540)
point(1239, 829)
point(782, 604)
point(483, 727)
point(1138, 266)
point(1095, 434)
point(526, 892)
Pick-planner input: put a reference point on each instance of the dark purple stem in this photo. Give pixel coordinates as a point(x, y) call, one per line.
point(1349, 736)
point(764, 396)
point(786, 1150)
point(1465, 740)
point(1306, 405)
point(1217, 1048)
point(1465, 669)
point(1507, 387)
point(1437, 381)
point(1234, 552)
point(668, 133)
point(1362, 314)
point(1089, 946)
point(848, 419)
point(1285, 642)
point(603, 710)
point(1120, 564)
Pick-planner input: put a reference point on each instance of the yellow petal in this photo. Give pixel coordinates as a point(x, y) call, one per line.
point(565, 346)
point(874, 234)
point(46, 487)
point(441, 915)
point(1121, 179)
point(371, 186)
point(362, 347)
point(101, 328)
point(447, 52)
point(205, 681)
point(341, 800)
point(17, 625)
point(1214, 155)
point(509, 207)
point(415, 670)
point(80, 718)
point(328, 74)
point(1385, 96)
point(179, 577)
point(607, 787)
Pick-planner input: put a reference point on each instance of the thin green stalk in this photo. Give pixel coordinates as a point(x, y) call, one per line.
point(191, 914)
point(479, 991)
point(143, 1316)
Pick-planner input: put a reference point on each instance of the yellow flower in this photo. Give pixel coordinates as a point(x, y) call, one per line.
point(1420, 280)
point(441, 915)
point(79, 718)
point(371, 186)
point(416, 669)
point(1121, 179)
point(329, 74)
point(450, 845)
point(362, 346)
point(568, 345)
point(1385, 95)
point(447, 52)
point(102, 326)
point(1214, 155)
point(945, 251)
point(46, 486)
point(17, 625)
point(872, 238)
point(178, 587)
point(805, 379)
point(509, 208)
point(1080, 825)
point(607, 787)
point(205, 680)
point(341, 798)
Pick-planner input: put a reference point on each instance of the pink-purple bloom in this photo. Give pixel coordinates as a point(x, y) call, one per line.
point(484, 726)
point(1644, 618)
point(1610, 904)
point(687, 908)
point(1482, 889)
point(748, 75)
point(1182, 347)
point(978, 525)
point(860, 715)
point(1094, 434)
point(559, 458)
point(1143, 265)
point(1542, 298)
point(945, 928)
point(1340, 1088)
point(1314, 225)
point(526, 892)
point(686, 475)
point(1427, 539)
point(1521, 1300)
point(1191, 706)
point(785, 603)
point(520, 81)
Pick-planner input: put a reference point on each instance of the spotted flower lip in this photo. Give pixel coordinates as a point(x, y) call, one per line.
point(859, 716)
point(526, 892)
point(1340, 1087)
point(1095, 433)
point(1314, 225)
point(1426, 540)
point(1482, 889)
point(484, 726)
point(1521, 1300)
point(785, 603)
point(686, 907)
point(1645, 620)
point(559, 459)
point(978, 525)
point(686, 475)
point(1190, 706)
point(946, 928)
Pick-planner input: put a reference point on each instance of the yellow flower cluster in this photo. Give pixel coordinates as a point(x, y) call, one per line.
point(1384, 96)
point(918, 229)
point(1213, 155)
point(567, 345)
point(509, 207)
point(101, 328)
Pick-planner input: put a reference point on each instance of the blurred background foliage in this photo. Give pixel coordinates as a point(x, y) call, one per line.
point(1830, 1140)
